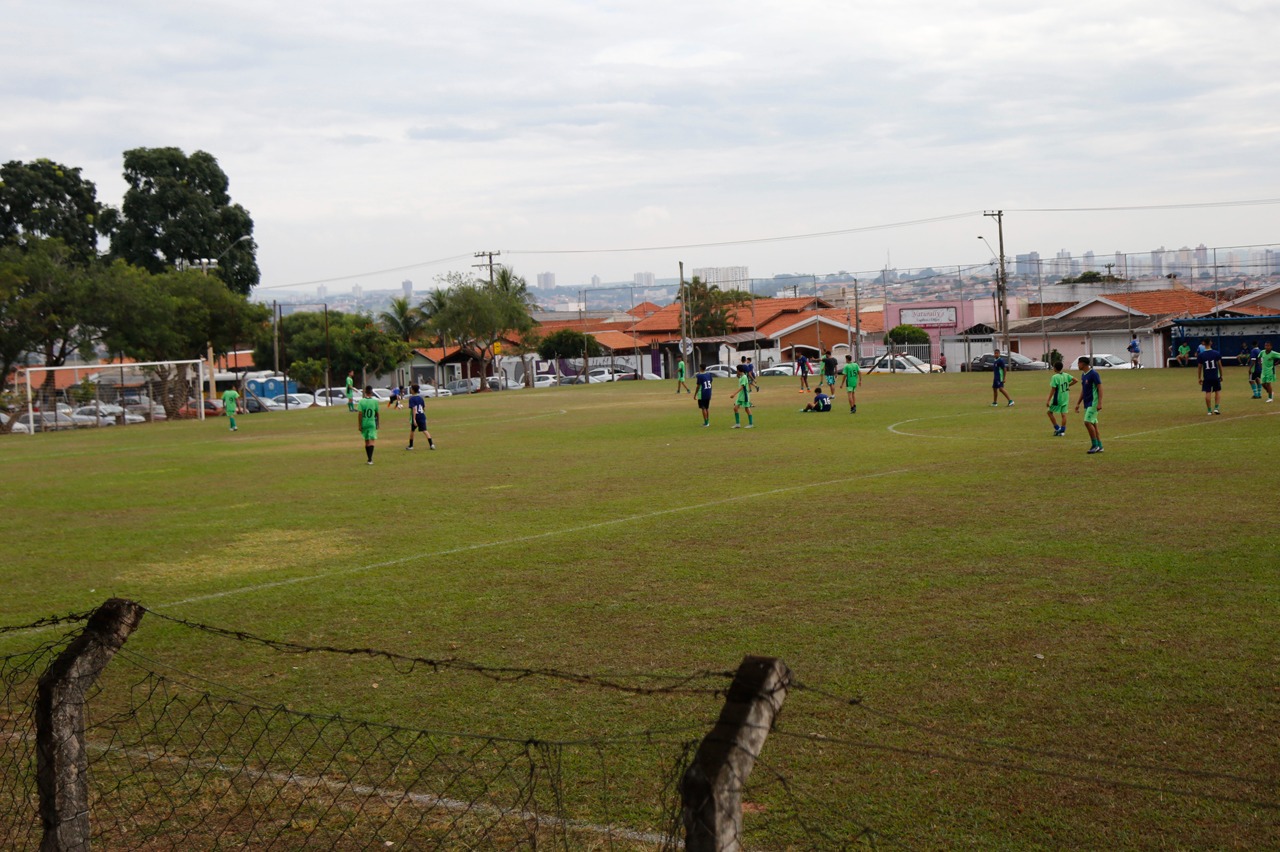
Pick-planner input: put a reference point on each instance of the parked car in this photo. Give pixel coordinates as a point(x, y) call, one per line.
point(632, 376)
point(114, 412)
point(502, 383)
point(900, 364)
point(294, 400)
point(545, 380)
point(462, 386)
point(1015, 361)
point(331, 396)
point(256, 405)
point(429, 390)
point(604, 374)
point(19, 428)
point(785, 368)
point(46, 421)
point(212, 408)
point(722, 371)
point(1107, 362)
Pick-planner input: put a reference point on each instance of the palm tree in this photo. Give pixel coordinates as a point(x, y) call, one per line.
point(402, 320)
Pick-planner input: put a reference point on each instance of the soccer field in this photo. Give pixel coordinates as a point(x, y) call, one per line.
point(1002, 642)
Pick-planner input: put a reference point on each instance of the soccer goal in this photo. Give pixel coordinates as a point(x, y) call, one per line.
point(81, 396)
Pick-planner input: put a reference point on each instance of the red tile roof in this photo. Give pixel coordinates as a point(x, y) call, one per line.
point(1048, 309)
point(644, 309)
point(1153, 302)
point(618, 341)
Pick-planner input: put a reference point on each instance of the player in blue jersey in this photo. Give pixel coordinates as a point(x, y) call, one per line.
point(418, 417)
point(702, 381)
point(1255, 370)
point(821, 402)
point(802, 370)
point(1209, 372)
point(1091, 399)
point(997, 379)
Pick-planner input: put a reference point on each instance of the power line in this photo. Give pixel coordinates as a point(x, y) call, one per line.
point(1189, 206)
point(780, 239)
point(366, 274)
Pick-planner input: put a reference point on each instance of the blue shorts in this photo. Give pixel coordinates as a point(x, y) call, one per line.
point(704, 401)
point(419, 424)
point(1211, 385)
point(997, 385)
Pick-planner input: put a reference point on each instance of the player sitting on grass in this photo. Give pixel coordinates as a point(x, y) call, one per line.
point(821, 402)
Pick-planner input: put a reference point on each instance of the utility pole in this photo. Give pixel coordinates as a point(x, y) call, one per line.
point(1002, 284)
point(857, 324)
point(489, 262)
point(684, 311)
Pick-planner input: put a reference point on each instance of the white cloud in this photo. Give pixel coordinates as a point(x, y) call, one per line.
point(373, 135)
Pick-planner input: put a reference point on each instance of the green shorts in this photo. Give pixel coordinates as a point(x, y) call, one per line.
point(1091, 414)
point(743, 401)
point(1058, 409)
point(369, 433)
point(1268, 376)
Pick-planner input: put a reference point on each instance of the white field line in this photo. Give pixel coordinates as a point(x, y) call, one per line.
point(430, 554)
point(1209, 421)
point(393, 797)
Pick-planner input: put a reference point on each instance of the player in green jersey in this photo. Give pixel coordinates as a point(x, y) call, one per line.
point(1059, 398)
point(351, 390)
point(231, 405)
point(743, 401)
point(849, 378)
point(680, 368)
point(367, 420)
point(1268, 360)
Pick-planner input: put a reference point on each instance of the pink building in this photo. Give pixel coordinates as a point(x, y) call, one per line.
point(943, 319)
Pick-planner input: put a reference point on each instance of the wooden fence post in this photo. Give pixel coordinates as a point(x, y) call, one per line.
point(711, 789)
point(62, 763)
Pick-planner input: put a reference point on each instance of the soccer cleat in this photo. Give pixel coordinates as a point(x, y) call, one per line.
point(994, 404)
point(705, 425)
point(1093, 450)
point(431, 446)
point(750, 426)
point(370, 461)
point(1271, 399)
point(1010, 402)
point(737, 426)
point(1216, 411)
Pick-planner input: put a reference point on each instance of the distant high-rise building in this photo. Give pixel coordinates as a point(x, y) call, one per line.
point(724, 277)
point(643, 279)
point(322, 292)
point(1202, 256)
point(407, 287)
point(1028, 264)
point(546, 279)
point(356, 291)
point(1157, 261)
point(1121, 269)
point(1089, 263)
point(595, 280)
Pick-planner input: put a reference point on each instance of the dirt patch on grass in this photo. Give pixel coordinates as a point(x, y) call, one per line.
point(249, 553)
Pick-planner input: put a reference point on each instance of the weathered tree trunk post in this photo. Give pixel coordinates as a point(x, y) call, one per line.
point(711, 790)
point(62, 763)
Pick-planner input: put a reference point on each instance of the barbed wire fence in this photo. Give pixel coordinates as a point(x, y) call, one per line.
point(169, 759)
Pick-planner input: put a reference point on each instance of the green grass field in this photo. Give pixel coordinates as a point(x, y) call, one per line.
point(1052, 650)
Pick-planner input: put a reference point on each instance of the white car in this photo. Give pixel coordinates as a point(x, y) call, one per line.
point(545, 380)
point(19, 428)
point(903, 364)
point(1108, 362)
point(294, 400)
point(603, 374)
point(433, 391)
point(331, 396)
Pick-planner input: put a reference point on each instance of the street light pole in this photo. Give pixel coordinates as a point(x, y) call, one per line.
point(1002, 281)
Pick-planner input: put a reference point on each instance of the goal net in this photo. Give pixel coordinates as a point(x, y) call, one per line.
point(82, 396)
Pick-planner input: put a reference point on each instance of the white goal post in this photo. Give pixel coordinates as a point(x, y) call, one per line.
point(148, 388)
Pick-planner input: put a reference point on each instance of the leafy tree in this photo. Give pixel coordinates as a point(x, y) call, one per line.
point(177, 210)
point(906, 334)
point(309, 372)
point(403, 321)
point(43, 199)
point(476, 315)
point(568, 343)
point(49, 304)
point(174, 316)
point(711, 309)
point(354, 343)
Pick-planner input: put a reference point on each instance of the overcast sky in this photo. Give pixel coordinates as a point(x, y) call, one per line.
point(372, 135)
